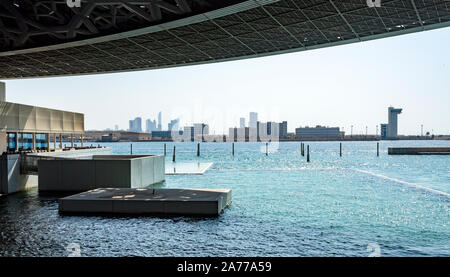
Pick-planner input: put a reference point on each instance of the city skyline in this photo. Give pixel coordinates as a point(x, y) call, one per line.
point(386, 130)
point(341, 86)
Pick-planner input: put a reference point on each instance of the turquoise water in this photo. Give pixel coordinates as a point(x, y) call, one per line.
point(282, 206)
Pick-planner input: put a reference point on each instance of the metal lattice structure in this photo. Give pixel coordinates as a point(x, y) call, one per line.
point(47, 38)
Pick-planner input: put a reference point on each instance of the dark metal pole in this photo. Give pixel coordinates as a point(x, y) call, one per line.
point(340, 149)
point(378, 149)
point(164, 149)
point(267, 149)
point(307, 154)
point(131, 149)
point(232, 147)
point(198, 149)
point(173, 157)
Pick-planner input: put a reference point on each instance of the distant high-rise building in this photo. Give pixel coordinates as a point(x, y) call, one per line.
point(138, 124)
point(283, 129)
point(135, 125)
point(116, 127)
point(174, 125)
point(232, 134)
point(188, 133)
point(242, 134)
point(384, 128)
point(242, 122)
point(253, 120)
point(266, 131)
point(390, 130)
point(200, 129)
point(150, 125)
point(159, 122)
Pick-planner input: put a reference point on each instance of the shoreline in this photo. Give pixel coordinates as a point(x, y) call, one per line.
point(284, 140)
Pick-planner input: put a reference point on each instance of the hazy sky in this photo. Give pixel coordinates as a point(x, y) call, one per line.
point(340, 86)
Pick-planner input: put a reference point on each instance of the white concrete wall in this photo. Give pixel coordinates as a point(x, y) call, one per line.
point(10, 177)
point(146, 172)
point(12, 181)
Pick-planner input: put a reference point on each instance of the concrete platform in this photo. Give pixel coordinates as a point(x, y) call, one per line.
point(147, 201)
point(187, 168)
point(419, 150)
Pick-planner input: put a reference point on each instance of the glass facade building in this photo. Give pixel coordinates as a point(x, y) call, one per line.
point(25, 141)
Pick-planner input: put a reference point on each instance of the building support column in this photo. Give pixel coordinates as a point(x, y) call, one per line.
point(16, 141)
point(81, 140)
point(54, 141)
point(71, 140)
point(34, 142)
point(60, 142)
point(48, 141)
point(21, 140)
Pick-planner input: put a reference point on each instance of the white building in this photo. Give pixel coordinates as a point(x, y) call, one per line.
point(30, 130)
point(392, 128)
point(200, 129)
point(253, 120)
point(242, 122)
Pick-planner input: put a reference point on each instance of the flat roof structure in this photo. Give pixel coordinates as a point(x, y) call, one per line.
point(47, 38)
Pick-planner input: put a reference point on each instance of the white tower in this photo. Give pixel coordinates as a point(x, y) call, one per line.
point(392, 130)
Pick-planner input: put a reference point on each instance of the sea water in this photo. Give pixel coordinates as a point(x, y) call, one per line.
point(355, 205)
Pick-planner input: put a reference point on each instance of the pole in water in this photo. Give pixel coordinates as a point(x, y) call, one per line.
point(303, 149)
point(173, 157)
point(198, 149)
point(307, 154)
point(232, 148)
point(340, 149)
point(267, 149)
point(131, 149)
point(164, 149)
point(378, 149)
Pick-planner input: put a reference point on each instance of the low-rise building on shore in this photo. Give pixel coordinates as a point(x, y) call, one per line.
point(320, 132)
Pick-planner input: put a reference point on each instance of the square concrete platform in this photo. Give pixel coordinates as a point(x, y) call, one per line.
point(140, 201)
